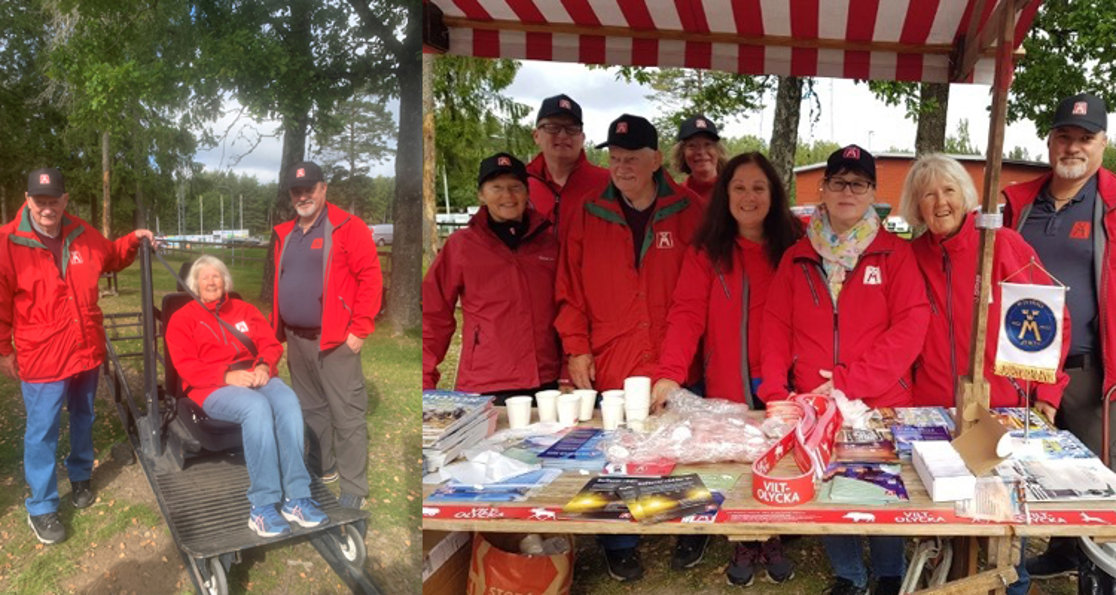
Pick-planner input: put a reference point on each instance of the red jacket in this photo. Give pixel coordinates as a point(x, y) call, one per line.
point(711, 304)
point(704, 191)
point(202, 349)
point(584, 181)
point(1019, 198)
point(950, 268)
point(608, 307)
point(53, 318)
point(869, 342)
point(507, 304)
point(353, 286)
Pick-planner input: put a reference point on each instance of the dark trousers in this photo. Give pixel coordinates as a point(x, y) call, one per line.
point(330, 387)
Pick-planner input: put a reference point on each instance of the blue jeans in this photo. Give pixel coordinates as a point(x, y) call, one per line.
point(43, 403)
point(844, 552)
point(621, 541)
point(1023, 583)
point(271, 428)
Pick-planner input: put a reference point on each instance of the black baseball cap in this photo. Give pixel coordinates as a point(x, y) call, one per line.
point(1082, 110)
point(559, 105)
point(697, 125)
point(501, 163)
point(851, 158)
point(46, 181)
point(304, 174)
point(631, 132)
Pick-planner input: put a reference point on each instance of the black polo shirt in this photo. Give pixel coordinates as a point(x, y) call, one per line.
point(302, 274)
point(1064, 242)
point(637, 222)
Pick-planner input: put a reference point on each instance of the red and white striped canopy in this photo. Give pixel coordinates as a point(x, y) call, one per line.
point(905, 40)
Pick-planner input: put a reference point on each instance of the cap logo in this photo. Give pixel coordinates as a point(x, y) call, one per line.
point(503, 161)
point(621, 128)
point(44, 179)
point(1080, 108)
point(700, 124)
point(564, 104)
point(851, 153)
point(300, 173)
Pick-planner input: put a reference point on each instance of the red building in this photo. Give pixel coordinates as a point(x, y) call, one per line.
point(891, 171)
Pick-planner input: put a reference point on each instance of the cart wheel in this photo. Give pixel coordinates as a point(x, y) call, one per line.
point(351, 546)
point(218, 583)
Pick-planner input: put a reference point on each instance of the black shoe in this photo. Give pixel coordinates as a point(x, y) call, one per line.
point(47, 527)
point(81, 495)
point(888, 585)
point(352, 501)
point(623, 565)
point(688, 551)
point(780, 568)
point(742, 569)
point(843, 586)
point(1051, 564)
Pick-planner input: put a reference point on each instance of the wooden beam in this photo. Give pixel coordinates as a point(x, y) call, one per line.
point(676, 35)
point(978, 44)
point(990, 580)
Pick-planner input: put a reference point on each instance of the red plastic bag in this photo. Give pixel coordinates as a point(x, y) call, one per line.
point(498, 569)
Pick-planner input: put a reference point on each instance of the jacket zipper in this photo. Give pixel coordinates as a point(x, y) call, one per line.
point(836, 327)
point(948, 268)
point(344, 305)
point(809, 283)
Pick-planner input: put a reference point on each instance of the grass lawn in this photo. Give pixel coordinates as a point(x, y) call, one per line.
point(121, 544)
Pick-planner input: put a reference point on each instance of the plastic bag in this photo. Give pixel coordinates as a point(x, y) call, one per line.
point(697, 430)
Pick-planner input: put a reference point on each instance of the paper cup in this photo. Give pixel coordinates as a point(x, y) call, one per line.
point(616, 392)
point(588, 401)
point(519, 411)
point(547, 402)
point(637, 398)
point(568, 405)
point(612, 411)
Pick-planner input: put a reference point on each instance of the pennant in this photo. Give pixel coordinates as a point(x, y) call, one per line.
point(1029, 345)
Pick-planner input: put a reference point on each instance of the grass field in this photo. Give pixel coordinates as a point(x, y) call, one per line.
point(121, 544)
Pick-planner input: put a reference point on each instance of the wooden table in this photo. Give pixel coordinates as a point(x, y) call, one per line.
point(741, 518)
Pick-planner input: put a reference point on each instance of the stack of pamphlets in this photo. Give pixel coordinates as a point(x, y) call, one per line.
point(905, 435)
point(922, 417)
point(863, 483)
point(451, 423)
point(942, 471)
point(580, 448)
point(1061, 480)
point(645, 499)
point(864, 446)
point(513, 489)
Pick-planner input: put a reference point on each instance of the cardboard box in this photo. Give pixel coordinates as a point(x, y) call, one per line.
point(445, 562)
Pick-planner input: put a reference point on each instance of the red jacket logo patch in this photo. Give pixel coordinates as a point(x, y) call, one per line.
point(666, 240)
point(316, 244)
point(241, 326)
point(1081, 230)
point(75, 258)
point(872, 276)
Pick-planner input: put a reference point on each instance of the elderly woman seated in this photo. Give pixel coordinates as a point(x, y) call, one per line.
point(230, 383)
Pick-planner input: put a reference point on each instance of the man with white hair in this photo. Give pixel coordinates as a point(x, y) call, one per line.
point(1069, 216)
point(617, 270)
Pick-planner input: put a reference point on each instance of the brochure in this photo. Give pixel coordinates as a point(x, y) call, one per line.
point(864, 483)
point(1062, 480)
point(578, 449)
point(513, 489)
point(864, 446)
point(653, 500)
point(599, 500)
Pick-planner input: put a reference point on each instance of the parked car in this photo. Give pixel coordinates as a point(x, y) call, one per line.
point(382, 233)
point(804, 212)
point(897, 225)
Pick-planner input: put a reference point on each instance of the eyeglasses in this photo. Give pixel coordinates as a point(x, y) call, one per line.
point(569, 129)
point(839, 185)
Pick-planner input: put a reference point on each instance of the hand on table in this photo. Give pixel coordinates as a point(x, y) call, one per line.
point(826, 387)
point(583, 372)
point(1047, 410)
point(659, 393)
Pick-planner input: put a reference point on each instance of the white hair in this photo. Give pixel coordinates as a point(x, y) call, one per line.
point(924, 171)
point(203, 261)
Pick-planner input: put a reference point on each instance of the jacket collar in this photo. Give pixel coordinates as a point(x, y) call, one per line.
point(535, 222)
point(663, 187)
point(537, 167)
point(962, 241)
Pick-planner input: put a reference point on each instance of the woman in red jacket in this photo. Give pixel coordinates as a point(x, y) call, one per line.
point(720, 297)
point(700, 154)
point(229, 383)
point(502, 268)
point(940, 198)
point(847, 310)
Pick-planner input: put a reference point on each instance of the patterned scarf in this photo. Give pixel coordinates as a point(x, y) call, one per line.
point(840, 252)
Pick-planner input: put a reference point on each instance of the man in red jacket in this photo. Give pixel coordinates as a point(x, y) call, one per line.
point(1069, 217)
point(50, 265)
point(326, 293)
point(616, 274)
point(560, 177)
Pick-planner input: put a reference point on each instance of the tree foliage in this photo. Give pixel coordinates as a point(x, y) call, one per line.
point(474, 119)
point(684, 92)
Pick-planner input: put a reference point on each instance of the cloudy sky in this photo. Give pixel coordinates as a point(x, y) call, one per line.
point(849, 112)
point(262, 162)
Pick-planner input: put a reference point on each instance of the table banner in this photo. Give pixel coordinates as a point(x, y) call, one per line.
point(811, 444)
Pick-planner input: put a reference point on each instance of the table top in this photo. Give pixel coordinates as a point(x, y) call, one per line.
point(742, 517)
